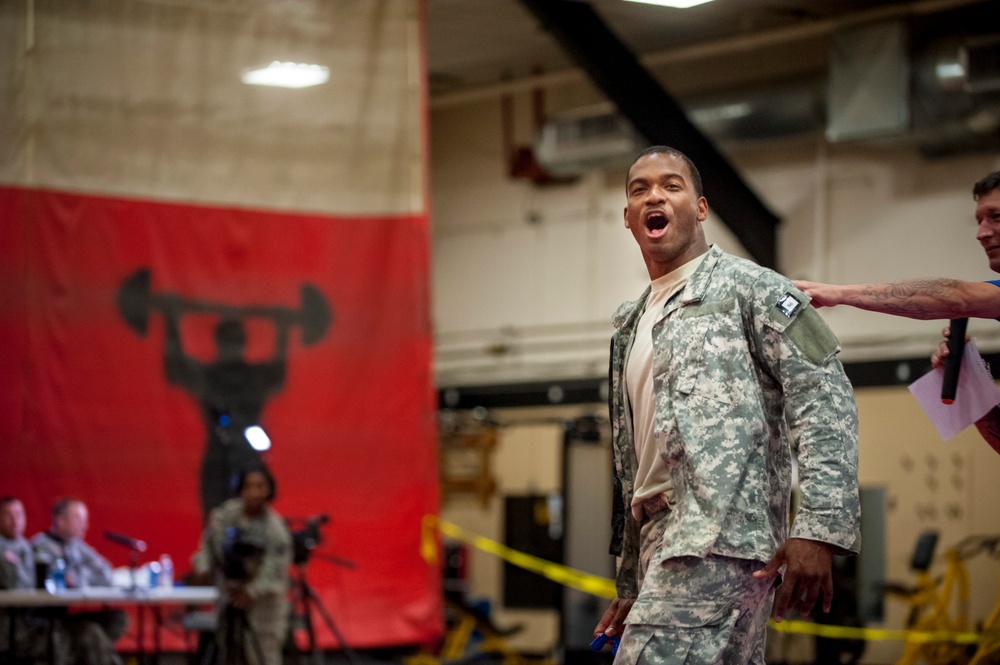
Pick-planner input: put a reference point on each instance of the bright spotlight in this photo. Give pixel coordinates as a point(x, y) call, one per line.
point(257, 438)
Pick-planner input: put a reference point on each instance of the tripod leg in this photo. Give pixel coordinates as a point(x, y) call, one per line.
point(210, 654)
point(300, 618)
point(314, 601)
point(317, 657)
point(231, 648)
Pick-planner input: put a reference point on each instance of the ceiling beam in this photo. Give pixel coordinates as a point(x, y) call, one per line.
point(659, 118)
point(737, 46)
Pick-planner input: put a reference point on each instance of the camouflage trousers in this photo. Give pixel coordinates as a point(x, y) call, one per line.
point(695, 611)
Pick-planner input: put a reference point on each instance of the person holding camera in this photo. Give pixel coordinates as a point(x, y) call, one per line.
point(247, 549)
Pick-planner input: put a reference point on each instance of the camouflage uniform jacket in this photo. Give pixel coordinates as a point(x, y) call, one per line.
point(84, 566)
point(20, 575)
point(268, 531)
point(743, 369)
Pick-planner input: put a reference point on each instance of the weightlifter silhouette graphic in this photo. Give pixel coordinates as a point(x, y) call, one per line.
point(230, 390)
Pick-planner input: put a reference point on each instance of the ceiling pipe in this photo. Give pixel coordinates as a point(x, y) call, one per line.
point(521, 160)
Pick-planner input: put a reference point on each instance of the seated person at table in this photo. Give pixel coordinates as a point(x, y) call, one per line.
point(17, 571)
point(93, 634)
point(17, 565)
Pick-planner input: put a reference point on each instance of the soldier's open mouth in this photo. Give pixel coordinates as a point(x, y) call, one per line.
point(656, 221)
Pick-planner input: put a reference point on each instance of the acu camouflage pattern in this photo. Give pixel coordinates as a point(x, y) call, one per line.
point(84, 566)
point(268, 615)
point(32, 632)
point(737, 382)
point(20, 575)
point(89, 636)
point(694, 610)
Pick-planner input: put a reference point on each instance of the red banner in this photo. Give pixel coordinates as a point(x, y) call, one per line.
point(93, 405)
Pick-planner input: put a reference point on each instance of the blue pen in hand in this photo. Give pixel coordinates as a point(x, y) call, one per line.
point(602, 639)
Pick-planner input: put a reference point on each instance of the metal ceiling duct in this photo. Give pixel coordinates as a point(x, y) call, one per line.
point(956, 98)
point(953, 100)
point(600, 138)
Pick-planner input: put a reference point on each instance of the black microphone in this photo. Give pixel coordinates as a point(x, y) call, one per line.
point(122, 539)
point(953, 365)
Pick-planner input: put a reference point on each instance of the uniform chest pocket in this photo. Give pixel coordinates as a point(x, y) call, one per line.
point(710, 354)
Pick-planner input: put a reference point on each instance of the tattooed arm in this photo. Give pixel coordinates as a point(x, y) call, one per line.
point(931, 298)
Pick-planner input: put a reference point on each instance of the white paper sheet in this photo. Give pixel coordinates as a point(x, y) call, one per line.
point(975, 396)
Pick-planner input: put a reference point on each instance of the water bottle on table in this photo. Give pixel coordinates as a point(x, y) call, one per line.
point(166, 571)
point(57, 576)
point(154, 574)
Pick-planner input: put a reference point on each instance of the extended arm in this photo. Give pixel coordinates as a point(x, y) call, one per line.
point(204, 560)
point(930, 298)
point(181, 369)
point(273, 371)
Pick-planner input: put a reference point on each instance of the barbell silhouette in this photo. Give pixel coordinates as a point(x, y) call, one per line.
point(136, 301)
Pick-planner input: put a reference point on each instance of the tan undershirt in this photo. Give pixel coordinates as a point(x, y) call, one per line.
point(651, 475)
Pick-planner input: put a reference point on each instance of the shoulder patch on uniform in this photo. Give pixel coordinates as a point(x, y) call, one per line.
point(810, 334)
point(788, 304)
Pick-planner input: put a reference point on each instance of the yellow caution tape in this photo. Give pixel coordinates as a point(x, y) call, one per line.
point(575, 579)
point(881, 635)
point(605, 588)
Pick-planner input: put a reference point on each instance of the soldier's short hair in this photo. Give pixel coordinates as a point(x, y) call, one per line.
point(61, 505)
point(667, 150)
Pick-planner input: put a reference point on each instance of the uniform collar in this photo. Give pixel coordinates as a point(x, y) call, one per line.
point(698, 285)
point(693, 291)
point(628, 311)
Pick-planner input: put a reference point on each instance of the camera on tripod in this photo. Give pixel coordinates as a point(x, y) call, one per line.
point(241, 558)
point(305, 540)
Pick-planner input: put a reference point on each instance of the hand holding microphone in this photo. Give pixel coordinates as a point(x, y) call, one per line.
point(953, 363)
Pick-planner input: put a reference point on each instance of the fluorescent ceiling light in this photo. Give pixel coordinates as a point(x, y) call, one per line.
point(949, 70)
point(287, 75)
point(677, 4)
